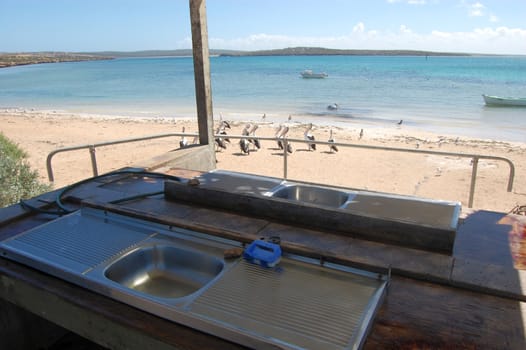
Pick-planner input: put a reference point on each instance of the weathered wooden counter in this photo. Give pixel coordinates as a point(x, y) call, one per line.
point(470, 299)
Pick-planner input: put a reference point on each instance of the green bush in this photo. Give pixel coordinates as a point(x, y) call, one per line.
point(17, 180)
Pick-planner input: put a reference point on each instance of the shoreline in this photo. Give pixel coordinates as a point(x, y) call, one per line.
point(377, 125)
point(428, 176)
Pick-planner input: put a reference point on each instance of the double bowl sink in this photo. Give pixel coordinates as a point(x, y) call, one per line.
point(437, 213)
point(402, 220)
point(411, 209)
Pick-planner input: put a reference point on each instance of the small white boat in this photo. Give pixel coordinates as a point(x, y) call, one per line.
point(504, 101)
point(309, 74)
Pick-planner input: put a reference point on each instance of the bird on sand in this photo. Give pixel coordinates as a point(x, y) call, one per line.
point(244, 145)
point(281, 136)
point(361, 134)
point(220, 141)
point(223, 122)
point(277, 135)
point(223, 125)
point(284, 136)
point(184, 142)
point(254, 141)
point(309, 137)
point(332, 148)
point(400, 122)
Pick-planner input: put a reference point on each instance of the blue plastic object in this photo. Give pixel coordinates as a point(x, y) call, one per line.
point(263, 253)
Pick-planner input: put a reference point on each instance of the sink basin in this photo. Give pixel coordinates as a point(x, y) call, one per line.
point(164, 271)
point(312, 194)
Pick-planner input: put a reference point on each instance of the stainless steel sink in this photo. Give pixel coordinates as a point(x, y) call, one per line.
point(182, 275)
point(311, 194)
point(164, 271)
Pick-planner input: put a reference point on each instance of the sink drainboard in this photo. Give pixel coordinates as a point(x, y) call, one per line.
point(295, 303)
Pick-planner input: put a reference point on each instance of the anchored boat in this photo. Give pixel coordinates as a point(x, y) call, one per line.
point(504, 101)
point(309, 74)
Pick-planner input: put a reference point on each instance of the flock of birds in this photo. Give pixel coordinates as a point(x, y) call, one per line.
point(250, 142)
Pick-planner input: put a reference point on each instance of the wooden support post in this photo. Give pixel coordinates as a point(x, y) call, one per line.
point(203, 87)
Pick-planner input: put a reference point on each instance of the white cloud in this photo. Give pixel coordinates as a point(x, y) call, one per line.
point(358, 28)
point(476, 10)
point(491, 40)
point(493, 19)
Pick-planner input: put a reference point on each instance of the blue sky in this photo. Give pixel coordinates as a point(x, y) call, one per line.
point(483, 26)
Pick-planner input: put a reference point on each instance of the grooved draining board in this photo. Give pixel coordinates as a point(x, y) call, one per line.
point(295, 303)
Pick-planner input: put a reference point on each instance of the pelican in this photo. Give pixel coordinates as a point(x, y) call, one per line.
point(223, 122)
point(332, 148)
point(243, 142)
point(254, 141)
point(283, 135)
point(309, 137)
point(278, 136)
point(289, 147)
point(220, 142)
point(246, 130)
point(184, 142)
point(221, 130)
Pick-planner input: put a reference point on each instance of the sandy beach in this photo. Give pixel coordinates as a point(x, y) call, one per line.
point(424, 175)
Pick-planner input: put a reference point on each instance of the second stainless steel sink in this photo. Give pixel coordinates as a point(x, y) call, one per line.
point(311, 194)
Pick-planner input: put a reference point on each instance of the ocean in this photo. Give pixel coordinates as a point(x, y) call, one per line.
point(435, 94)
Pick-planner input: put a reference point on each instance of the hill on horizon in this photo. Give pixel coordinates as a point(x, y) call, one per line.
point(289, 51)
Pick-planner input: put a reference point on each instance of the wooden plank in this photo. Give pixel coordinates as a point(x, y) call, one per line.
point(420, 315)
point(203, 86)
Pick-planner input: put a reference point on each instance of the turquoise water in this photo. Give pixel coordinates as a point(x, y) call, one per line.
point(437, 94)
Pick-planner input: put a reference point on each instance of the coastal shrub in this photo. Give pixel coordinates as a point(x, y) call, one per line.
point(17, 180)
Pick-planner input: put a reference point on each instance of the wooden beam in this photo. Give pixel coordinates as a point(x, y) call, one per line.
point(203, 87)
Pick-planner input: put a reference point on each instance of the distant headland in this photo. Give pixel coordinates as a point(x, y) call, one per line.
point(17, 59)
point(289, 51)
point(320, 51)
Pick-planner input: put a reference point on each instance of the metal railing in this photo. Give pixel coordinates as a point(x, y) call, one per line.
point(92, 150)
point(474, 157)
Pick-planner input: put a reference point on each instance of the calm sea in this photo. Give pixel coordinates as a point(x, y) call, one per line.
point(438, 94)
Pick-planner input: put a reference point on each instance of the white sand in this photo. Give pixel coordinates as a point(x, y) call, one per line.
point(431, 176)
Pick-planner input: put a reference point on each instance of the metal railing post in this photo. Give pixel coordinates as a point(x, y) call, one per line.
point(93, 157)
point(285, 147)
point(473, 181)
